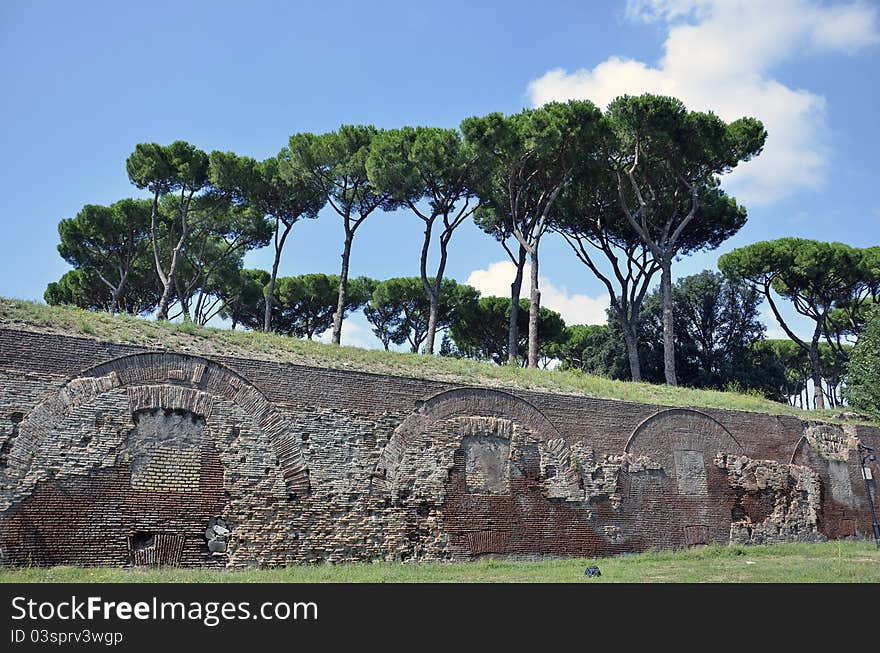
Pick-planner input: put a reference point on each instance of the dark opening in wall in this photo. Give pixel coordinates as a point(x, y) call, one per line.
point(759, 505)
point(141, 540)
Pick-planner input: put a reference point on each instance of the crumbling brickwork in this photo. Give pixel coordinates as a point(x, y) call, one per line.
point(112, 455)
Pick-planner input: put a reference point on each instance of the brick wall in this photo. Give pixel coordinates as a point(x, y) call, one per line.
point(114, 455)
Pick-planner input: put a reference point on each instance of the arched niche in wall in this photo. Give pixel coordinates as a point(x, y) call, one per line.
point(831, 451)
point(480, 420)
point(489, 472)
point(685, 504)
point(683, 442)
point(161, 381)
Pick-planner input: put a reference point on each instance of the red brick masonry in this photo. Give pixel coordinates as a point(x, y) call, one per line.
point(115, 455)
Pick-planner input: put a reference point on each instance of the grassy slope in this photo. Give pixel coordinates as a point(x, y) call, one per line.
point(827, 562)
point(18, 314)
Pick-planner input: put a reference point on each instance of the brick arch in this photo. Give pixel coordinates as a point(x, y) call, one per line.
point(683, 427)
point(461, 402)
point(683, 499)
point(170, 380)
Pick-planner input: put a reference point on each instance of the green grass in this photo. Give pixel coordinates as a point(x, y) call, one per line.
point(827, 562)
point(18, 314)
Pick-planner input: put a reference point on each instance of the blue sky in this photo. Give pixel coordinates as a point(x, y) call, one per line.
point(84, 82)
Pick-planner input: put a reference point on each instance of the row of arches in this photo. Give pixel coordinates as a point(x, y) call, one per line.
point(505, 466)
point(149, 376)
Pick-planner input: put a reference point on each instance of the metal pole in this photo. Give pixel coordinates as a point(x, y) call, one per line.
point(865, 454)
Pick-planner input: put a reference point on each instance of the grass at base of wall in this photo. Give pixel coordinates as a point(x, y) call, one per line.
point(826, 562)
point(187, 337)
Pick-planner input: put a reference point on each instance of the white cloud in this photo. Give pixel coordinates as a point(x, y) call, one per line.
point(356, 332)
point(717, 56)
point(574, 308)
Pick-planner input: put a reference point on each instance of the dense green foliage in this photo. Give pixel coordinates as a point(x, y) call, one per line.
point(306, 303)
point(716, 331)
point(400, 311)
point(243, 296)
point(593, 348)
point(818, 279)
point(482, 333)
point(863, 371)
point(83, 287)
point(715, 325)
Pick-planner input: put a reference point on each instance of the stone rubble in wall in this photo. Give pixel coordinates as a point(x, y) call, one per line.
point(579, 478)
point(217, 535)
point(594, 479)
point(71, 454)
point(338, 521)
point(426, 465)
point(613, 533)
point(474, 425)
point(831, 441)
point(796, 499)
point(565, 483)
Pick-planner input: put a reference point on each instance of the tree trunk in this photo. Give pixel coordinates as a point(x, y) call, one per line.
point(668, 332)
point(433, 290)
point(432, 323)
point(343, 290)
point(117, 293)
point(184, 301)
point(434, 296)
point(171, 279)
point(816, 369)
point(270, 294)
point(632, 350)
point(513, 328)
point(165, 301)
point(270, 289)
point(162, 311)
point(534, 310)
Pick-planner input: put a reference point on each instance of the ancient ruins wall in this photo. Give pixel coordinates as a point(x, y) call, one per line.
point(116, 455)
